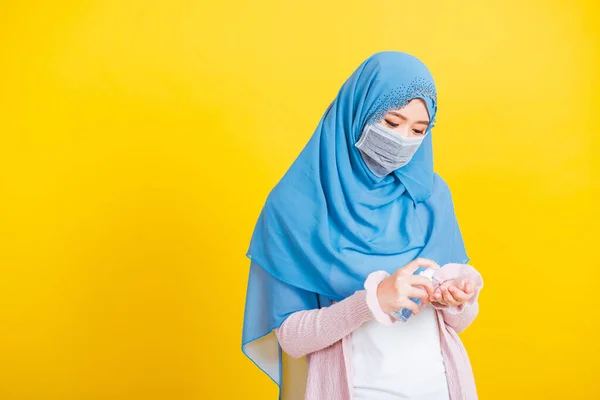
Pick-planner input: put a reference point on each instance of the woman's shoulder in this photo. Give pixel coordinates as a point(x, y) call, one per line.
point(440, 188)
point(440, 182)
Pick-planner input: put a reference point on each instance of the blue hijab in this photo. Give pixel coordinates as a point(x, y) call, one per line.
point(330, 221)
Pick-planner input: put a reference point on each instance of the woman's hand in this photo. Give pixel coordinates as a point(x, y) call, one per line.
point(395, 291)
point(454, 292)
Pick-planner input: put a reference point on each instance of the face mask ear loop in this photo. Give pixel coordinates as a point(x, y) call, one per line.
point(363, 136)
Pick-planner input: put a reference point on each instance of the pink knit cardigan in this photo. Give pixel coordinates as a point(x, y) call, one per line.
point(324, 336)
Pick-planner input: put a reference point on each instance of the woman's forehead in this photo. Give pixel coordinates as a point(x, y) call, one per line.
point(416, 110)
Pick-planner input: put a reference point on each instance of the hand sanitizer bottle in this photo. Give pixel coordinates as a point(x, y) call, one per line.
point(405, 313)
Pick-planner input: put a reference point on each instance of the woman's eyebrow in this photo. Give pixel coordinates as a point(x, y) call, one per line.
point(396, 113)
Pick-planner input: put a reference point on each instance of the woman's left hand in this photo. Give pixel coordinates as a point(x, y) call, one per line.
point(454, 292)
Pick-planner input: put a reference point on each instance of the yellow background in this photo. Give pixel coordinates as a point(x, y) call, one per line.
point(139, 140)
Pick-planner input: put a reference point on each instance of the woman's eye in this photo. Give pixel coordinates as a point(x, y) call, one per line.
point(417, 131)
point(391, 124)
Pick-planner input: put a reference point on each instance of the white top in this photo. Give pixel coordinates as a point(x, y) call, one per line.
point(399, 361)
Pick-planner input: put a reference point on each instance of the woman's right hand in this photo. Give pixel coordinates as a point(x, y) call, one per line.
point(395, 291)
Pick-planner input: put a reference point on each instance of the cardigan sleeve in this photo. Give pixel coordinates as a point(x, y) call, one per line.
point(459, 317)
point(307, 331)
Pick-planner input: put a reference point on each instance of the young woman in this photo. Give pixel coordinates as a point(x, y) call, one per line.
point(336, 245)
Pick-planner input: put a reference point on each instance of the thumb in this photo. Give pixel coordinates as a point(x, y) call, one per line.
point(470, 286)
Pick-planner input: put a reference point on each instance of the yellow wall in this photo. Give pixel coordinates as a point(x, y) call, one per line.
point(139, 140)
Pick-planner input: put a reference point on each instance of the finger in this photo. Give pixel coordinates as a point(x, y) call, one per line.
point(417, 280)
point(443, 286)
point(418, 293)
point(459, 295)
point(412, 266)
point(425, 302)
point(433, 293)
point(437, 297)
point(449, 299)
point(470, 286)
point(436, 292)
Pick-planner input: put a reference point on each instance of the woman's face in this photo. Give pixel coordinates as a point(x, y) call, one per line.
point(408, 121)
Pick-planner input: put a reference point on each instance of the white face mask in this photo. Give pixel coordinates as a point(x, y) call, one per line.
point(386, 150)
